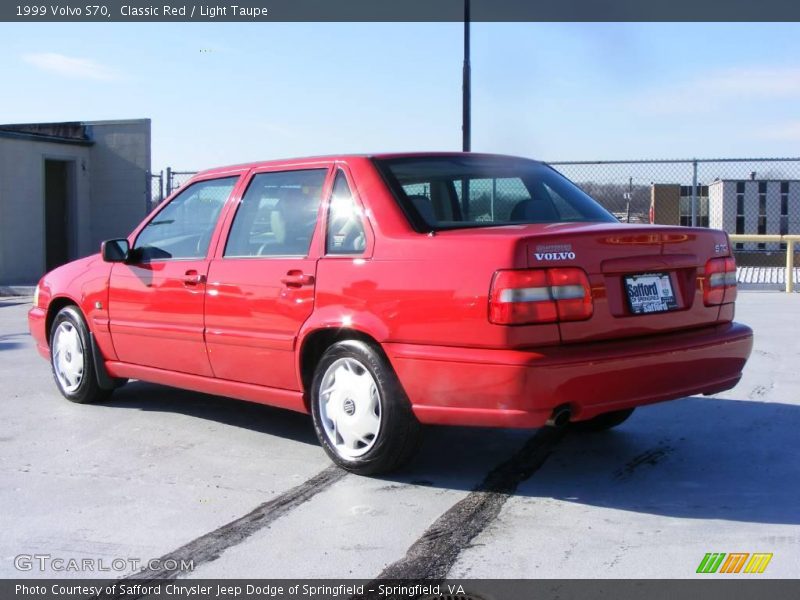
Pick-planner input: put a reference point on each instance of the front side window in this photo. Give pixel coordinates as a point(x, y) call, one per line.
point(183, 229)
point(345, 232)
point(449, 192)
point(277, 215)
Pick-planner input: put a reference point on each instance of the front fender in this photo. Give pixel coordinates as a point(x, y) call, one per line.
point(83, 282)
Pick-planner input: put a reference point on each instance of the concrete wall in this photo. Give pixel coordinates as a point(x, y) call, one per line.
point(109, 195)
point(794, 207)
point(721, 209)
point(666, 199)
point(22, 216)
point(120, 162)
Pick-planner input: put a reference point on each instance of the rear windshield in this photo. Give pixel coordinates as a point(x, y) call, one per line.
point(450, 192)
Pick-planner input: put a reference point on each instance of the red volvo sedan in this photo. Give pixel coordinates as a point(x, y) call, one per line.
point(379, 293)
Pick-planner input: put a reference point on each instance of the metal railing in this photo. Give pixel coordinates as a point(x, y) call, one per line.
point(788, 240)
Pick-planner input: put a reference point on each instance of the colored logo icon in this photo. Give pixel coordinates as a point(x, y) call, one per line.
point(735, 562)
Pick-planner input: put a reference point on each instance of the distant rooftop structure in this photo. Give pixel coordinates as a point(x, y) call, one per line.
point(65, 133)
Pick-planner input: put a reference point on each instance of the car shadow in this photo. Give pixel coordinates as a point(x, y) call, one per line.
point(248, 415)
point(5, 303)
point(9, 341)
point(704, 458)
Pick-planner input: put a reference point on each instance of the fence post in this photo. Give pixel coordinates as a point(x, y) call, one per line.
point(694, 192)
point(169, 180)
point(148, 191)
point(789, 266)
point(628, 198)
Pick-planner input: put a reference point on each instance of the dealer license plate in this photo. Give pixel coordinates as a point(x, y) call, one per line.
point(650, 293)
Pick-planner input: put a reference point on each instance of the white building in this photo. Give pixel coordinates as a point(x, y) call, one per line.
point(755, 206)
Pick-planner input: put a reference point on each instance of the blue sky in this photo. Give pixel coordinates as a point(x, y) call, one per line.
point(221, 93)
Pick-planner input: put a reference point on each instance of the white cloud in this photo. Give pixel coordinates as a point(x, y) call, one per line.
point(714, 90)
point(68, 66)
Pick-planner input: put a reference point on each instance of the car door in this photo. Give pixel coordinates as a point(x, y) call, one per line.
point(155, 300)
point(261, 283)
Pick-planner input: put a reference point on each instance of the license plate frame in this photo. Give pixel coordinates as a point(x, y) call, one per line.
point(650, 293)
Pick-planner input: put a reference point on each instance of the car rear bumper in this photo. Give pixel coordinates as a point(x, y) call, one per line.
point(36, 323)
point(509, 388)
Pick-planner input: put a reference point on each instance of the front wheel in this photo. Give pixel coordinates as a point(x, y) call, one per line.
point(361, 414)
point(602, 422)
point(72, 360)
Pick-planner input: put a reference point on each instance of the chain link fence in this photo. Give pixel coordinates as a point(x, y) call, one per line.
point(176, 179)
point(163, 183)
point(741, 196)
point(156, 187)
point(753, 196)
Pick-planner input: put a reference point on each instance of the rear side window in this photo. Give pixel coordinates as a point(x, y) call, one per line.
point(448, 192)
point(277, 215)
point(491, 200)
point(183, 228)
point(345, 231)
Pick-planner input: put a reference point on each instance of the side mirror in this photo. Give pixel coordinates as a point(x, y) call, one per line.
point(115, 250)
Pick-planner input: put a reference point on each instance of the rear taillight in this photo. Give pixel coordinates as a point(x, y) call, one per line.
point(719, 283)
point(540, 296)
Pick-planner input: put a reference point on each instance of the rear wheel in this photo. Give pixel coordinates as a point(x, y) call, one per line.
point(72, 360)
point(361, 414)
point(603, 421)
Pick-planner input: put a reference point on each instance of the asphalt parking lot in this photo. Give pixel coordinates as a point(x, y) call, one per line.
point(157, 472)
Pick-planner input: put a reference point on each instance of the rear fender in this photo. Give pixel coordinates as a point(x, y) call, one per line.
point(338, 318)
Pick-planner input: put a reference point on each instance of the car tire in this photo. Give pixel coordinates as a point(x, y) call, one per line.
point(361, 414)
point(71, 358)
point(602, 422)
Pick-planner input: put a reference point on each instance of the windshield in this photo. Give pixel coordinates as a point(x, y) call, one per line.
point(449, 192)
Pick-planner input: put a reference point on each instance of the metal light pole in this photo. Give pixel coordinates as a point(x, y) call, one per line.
point(466, 126)
point(694, 193)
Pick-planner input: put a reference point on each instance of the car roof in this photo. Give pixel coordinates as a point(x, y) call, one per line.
point(345, 158)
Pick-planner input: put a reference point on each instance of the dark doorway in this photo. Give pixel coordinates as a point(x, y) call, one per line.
point(57, 188)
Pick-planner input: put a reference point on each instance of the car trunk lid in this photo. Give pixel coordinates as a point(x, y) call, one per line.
point(631, 269)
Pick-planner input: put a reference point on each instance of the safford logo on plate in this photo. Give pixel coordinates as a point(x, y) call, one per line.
point(554, 252)
point(650, 292)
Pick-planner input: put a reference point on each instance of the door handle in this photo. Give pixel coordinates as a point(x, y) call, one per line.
point(297, 279)
point(192, 277)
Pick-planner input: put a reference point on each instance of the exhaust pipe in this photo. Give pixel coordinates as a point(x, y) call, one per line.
point(560, 417)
